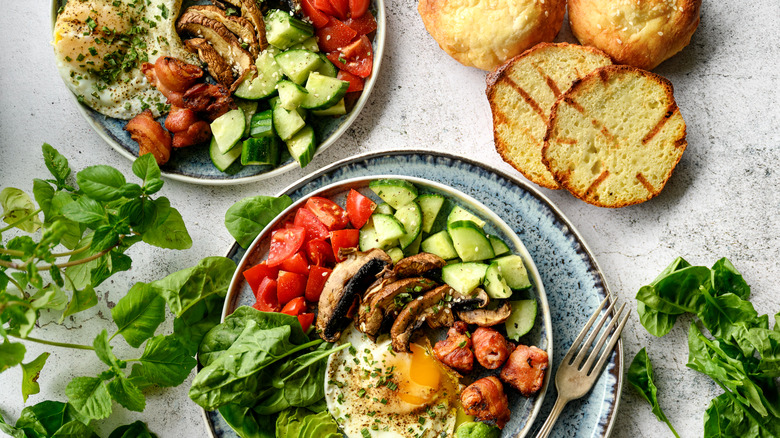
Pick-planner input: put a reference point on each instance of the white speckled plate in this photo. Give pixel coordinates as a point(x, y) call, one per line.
point(571, 277)
point(193, 164)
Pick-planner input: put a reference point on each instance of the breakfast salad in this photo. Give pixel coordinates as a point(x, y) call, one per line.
point(417, 315)
point(248, 80)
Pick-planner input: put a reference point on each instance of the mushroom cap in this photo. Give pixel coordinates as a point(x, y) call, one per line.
point(413, 315)
point(381, 303)
point(218, 67)
point(486, 317)
point(240, 26)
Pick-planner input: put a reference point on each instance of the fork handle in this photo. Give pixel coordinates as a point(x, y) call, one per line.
point(547, 427)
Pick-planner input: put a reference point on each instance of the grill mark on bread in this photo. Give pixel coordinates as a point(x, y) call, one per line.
point(566, 140)
point(681, 142)
point(595, 184)
point(526, 97)
point(569, 100)
point(668, 115)
point(550, 82)
point(646, 183)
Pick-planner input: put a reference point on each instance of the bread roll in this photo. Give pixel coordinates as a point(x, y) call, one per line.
point(485, 33)
point(642, 33)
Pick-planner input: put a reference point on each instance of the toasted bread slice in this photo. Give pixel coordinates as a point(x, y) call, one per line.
point(615, 136)
point(521, 93)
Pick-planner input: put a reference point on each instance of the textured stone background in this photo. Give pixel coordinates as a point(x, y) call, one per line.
point(722, 200)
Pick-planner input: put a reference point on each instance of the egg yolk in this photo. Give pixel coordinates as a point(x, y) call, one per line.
point(423, 372)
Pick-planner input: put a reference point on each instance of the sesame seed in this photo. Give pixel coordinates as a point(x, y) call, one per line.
point(660, 34)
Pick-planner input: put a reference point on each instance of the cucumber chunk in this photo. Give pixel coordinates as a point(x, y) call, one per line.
point(388, 228)
point(522, 318)
point(287, 123)
point(499, 246)
point(264, 84)
point(228, 129)
point(414, 247)
point(370, 237)
point(339, 109)
point(395, 254)
point(431, 205)
point(395, 192)
point(494, 283)
point(469, 241)
point(262, 124)
point(282, 30)
point(250, 108)
point(461, 214)
point(223, 161)
point(464, 277)
point(514, 272)
point(290, 94)
point(327, 68)
point(323, 91)
point(309, 44)
point(302, 146)
point(441, 245)
point(410, 215)
point(384, 208)
point(298, 64)
point(260, 151)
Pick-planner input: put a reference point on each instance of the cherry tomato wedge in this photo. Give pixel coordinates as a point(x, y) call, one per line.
point(328, 212)
point(359, 207)
point(334, 35)
point(295, 307)
point(315, 229)
point(318, 19)
point(356, 58)
point(317, 278)
point(285, 243)
point(289, 285)
point(343, 239)
point(363, 25)
point(355, 83)
point(255, 275)
point(358, 7)
point(266, 296)
point(306, 319)
point(297, 264)
point(341, 7)
point(325, 6)
point(320, 253)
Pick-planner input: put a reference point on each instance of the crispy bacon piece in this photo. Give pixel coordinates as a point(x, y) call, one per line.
point(525, 369)
point(209, 100)
point(151, 137)
point(198, 132)
point(486, 401)
point(490, 347)
point(455, 351)
point(176, 75)
point(180, 119)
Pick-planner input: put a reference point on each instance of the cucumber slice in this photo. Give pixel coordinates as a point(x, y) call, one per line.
point(323, 91)
point(339, 109)
point(441, 245)
point(268, 74)
point(223, 161)
point(302, 146)
point(388, 228)
point(384, 208)
point(514, 272)
point(494, 283)
point(250, 108)
point(414, 247)
point(499, 246)
point(369, 236)
point(395, 192)
point(464, 277)
point(309, 44)
point(290, 94)
point(461, 214)
point(287, 123)
point(282, 30)
point(327, 68)
point(522, 318)
point(395, 254)
point(410, 215)
point(431, 205)
point(228, 129)
point(297, 64)
point(469, 241)
point(260, 151)
point(262, 124)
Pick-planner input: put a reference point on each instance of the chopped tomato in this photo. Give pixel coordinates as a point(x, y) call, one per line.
point(266, 296)
point(355, 83)
point(320, 253)
point(359, 207)
point(295, 306)
point(315, 229)
point(317, 278)
point(297, 264)
point(306, 319)
point(318, 19)
point(328, 212)
point(285, 243)
point(356, 58)
point(343, 239)
point(358, 7)
point(341, 7)
point(325, 6)
point(363, 25)
point(289, 285)
point(334, 35)
point(255, 275)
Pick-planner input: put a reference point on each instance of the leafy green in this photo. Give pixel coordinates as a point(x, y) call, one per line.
point(30, 373)
point(184, 289)
point(90, 397)
point(247, 218)
point(246, 423)
point(134, 430)
point(19, 210)
point(169, 230)
point(11, 354)
point(302, 423)
point(46, 418)
point(126, 393)
point(56, 163)
point(82, 299)
point(101, 182)
point(640, 376)
point(139, 313)
point(164, 362)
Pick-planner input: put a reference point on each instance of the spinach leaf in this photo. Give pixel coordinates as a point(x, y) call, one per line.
point(86, 211)
point(30, 373)
point(726, 279)
point(169, 230)
point(146, 168)
point(726, 418)
point(126, 393)
point(138, 314)
point(164, 362)
point(676, 293)
point(56, 163)
point(43, 193)
point(74, 429)
point(184, 289)
point(195, 322)
point(302, 423)
point(246, 423)
point(12, 431)
point(11, 354)
point(101, 182)
point(640, 376)
point(134, 430)
point(245, 219)
point(656, 323)
point(45, 418)
point(90, 397)
point(82, 299)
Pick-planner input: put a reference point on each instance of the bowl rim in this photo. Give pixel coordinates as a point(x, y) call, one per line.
point(378, 46)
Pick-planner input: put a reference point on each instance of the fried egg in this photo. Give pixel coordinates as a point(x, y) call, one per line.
point(100, 45)
point(373, 391)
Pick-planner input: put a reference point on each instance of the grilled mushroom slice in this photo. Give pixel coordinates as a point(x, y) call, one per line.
point(243, 28)
point(486, 317)
point(388, 299)
point(476, 300)
point(418, 265)
point(348, 282)
point(218, 67)
point(251, 11)
point(414, 314)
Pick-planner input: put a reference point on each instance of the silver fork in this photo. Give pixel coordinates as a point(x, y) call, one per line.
point(574, 379)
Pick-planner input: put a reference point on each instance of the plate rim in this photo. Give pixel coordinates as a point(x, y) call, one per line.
point(378, 49)
point(620, 365)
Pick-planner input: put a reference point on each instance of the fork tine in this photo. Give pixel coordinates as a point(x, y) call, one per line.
point(575, 345)
point(608, 351)
point(585, 346)
point(602, 339)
